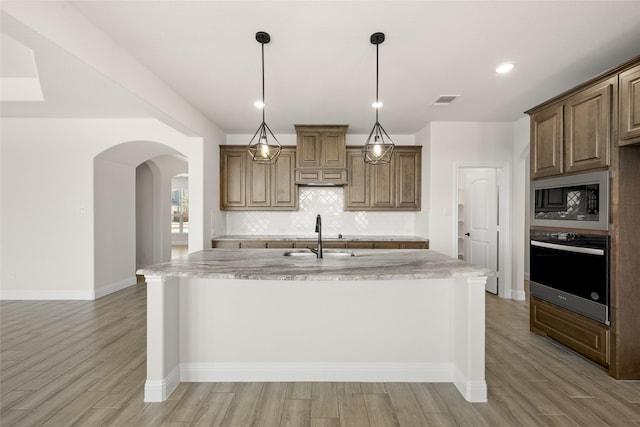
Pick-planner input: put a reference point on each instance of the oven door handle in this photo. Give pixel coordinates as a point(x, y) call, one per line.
point(578, 249)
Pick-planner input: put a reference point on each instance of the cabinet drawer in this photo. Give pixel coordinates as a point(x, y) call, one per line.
point(583, 335)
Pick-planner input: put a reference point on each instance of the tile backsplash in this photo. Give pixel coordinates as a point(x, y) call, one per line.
point(328, 202)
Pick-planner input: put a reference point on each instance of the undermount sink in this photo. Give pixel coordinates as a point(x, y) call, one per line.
point(327, 253)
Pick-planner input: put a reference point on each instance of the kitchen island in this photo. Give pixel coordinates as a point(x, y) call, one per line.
point(258, 315)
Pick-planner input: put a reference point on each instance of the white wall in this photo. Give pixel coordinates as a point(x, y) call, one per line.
point(520, 201)
point(421, 219)
point(154, 181)
point(115, 230)
point(453, 143)
point(49, 224)
point(87, 43)
point(144, 216)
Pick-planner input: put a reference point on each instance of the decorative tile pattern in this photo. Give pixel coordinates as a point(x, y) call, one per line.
point(329, 203)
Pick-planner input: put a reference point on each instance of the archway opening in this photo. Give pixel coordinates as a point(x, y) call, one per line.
point(132, 221)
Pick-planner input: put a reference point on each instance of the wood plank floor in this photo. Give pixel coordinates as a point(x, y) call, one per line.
point(82, 363)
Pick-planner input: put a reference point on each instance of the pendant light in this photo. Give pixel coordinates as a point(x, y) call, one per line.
point(379, 146)
point(264, 146)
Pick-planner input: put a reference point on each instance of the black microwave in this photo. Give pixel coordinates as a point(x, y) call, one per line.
point(575, 201)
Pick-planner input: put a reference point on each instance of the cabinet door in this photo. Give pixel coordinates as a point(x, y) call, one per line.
point(258, 184)
point(383, 188)
point(356, 192)
point(233, 164)
point(332, 154)
point(225, 244)
point(588, 127)
point(359, 245)
point(308, 155)
point(629, 120)
point(284, 191)
point(546, 142)
point(408, 177)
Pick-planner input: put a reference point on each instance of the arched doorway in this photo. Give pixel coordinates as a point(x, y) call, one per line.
point(116, 216)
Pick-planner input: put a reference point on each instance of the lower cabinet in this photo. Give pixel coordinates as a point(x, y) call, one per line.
point(327, 244)
point(583, 335)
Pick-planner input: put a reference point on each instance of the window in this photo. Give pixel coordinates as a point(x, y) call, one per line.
point(179, 204)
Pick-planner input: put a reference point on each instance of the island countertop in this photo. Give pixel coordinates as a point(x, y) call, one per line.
point(271, 264)
point(331, 237)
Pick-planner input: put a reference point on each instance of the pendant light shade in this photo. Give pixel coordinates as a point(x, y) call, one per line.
point(379, 147)
point(264, 146)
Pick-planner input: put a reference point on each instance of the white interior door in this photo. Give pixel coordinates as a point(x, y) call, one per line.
point(481, 221)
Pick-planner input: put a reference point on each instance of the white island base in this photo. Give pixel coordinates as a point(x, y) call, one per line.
point(392, 330)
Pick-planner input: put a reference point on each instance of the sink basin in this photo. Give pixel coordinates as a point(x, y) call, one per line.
point(327, 253)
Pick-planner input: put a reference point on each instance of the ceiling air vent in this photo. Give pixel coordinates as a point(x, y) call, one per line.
point(445, 100)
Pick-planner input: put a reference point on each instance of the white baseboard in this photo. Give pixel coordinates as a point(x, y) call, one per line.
point(115, 287)
point(472, 391)
point(45, 295)
point(519, 295)
point(67, 295)
point(276, 372)
point(159, 391)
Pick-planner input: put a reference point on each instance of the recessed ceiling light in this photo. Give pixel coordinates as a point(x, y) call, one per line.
point(505, 68)
point(259, 104)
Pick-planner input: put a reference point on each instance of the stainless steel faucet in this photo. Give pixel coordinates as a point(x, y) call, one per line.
point(318, 251)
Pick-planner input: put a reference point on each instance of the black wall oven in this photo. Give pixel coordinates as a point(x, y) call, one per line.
point(572, 271)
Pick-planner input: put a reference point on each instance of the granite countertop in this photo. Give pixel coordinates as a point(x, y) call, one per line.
point(314, 236)
point(271, 264)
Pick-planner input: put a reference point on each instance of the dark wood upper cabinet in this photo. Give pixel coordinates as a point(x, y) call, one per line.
point(393, 186)
point(356, 192)
point(588, 116)
point(258, 183)
point(233, 172)
point(321, 154)
point(408, 164)
point(309, 143)
point(547, 134)
point(573, 134)
point(247, 185)
point(284, 191)
point(629, 110)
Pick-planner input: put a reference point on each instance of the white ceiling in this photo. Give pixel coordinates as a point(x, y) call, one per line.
point(320, 65)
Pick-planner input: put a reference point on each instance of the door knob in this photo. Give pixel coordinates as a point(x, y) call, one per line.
point(467, 234)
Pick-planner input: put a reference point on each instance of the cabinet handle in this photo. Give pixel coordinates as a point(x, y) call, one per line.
point(467, 234)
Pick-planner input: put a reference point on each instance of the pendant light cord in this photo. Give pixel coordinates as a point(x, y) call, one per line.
point(263, 103)
point(377, 98)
